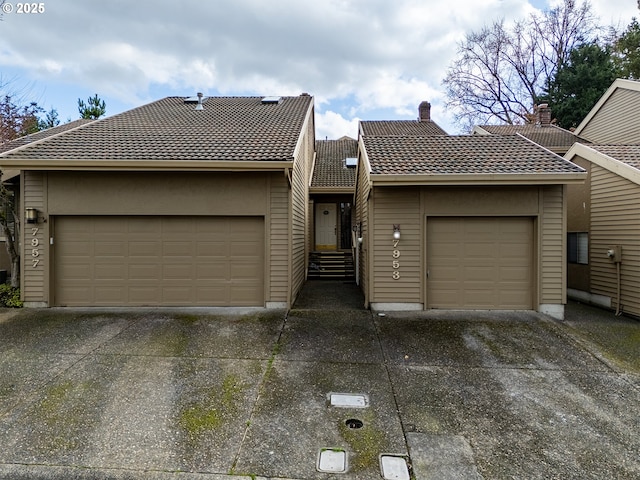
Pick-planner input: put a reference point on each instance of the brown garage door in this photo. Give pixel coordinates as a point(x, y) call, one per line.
point(178, 261)
point(480, 262)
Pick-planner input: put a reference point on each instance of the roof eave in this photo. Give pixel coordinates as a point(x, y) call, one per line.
point(605, 161)
point(383, 180)
point(326, 190)
point(146, 165)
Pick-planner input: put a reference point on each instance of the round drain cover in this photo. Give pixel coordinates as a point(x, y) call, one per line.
point(354, 423)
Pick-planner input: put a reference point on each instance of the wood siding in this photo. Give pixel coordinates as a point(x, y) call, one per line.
point(396, 206)
point(300, 217)
point(278, 239)
point(553, 246)
point(615, 220)
point(617, 120)
point(362, 220)
point(35, 241)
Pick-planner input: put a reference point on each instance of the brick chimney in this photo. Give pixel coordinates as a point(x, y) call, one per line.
point(543, 115)
point(424, 112)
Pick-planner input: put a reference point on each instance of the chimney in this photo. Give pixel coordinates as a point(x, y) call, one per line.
point(424, 112)
point(543, 115)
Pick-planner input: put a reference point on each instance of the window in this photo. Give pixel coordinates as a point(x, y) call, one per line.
point(578, 248)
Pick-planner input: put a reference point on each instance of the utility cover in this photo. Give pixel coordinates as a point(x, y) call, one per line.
point(394, 468)
point(349, 400)
point(332, 460)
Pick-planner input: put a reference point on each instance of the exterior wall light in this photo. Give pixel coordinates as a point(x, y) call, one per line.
point(31, 215)
point(396, 232)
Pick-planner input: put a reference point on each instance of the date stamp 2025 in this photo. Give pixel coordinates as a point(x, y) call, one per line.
point(31, 8)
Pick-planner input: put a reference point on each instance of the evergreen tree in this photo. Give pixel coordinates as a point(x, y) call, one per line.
point(93, 109)
point(626, 51)
point(579, 83)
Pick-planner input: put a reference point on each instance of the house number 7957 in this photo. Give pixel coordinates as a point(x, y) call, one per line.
point(35, 243)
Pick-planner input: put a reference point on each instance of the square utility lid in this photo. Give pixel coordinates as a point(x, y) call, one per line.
point(348, 400)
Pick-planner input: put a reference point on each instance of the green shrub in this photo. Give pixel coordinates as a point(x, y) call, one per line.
point(9, 296)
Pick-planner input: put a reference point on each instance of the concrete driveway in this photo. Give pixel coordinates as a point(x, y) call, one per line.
point(247, 393)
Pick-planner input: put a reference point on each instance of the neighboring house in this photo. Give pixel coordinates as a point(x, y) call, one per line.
point(196, 201)
point(330, 205)
point(460, 222)
point(604, 213)
point(11, 178)
point(542, 131)
point(331, 193)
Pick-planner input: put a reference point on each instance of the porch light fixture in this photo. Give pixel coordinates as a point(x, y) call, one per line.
point(31, 215)
point(396, 232)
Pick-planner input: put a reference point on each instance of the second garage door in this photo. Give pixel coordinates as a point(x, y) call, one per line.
point(480, 262)
point(170, 261)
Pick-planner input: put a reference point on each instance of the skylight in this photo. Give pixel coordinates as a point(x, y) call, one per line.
point(351, 162)
point(266, 100)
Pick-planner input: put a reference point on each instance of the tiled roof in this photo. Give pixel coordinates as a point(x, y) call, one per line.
point(400, 127)
point(330, 169)
point(548, 136)
point(228, 128)
point(629, 154)
point(34, 137)
point(465, 154)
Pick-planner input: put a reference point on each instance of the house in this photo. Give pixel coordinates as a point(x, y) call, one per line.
point(542, 131)
point(184, 201)
point(330, 205)
point(604, 213)
point(11, 178)
point(460, 222)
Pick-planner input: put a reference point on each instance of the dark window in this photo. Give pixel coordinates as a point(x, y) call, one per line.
point(578, 248)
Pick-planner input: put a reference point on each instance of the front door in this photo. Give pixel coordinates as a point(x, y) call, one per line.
point(326, 226)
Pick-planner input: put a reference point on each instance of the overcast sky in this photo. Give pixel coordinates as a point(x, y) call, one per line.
point(360, 59)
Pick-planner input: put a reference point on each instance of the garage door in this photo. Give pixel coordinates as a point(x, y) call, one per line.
point(480, 262)
point(172, 261)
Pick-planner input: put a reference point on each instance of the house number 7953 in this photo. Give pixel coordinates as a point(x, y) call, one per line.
point(395, 274)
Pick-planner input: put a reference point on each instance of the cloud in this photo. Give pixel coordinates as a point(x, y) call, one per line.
point(380, 55)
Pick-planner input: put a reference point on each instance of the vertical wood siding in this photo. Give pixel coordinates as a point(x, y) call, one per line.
point(396, 206)
point(278, 267)
point(616, 121)
point(615, 220)
point(34, 284)
point(553, 246)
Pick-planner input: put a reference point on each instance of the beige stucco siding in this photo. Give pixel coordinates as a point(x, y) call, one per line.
point(35, 241)
point(616, 121)
point(615, 220)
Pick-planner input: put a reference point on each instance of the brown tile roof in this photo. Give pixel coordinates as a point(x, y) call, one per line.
point(229, 128)
point(330, 169)
point(465, 154)
point(400, 127)
point(551, 136)
point(34, 137)
point(629, 154)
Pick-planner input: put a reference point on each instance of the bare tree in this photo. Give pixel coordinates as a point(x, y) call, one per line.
point(501, 71)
